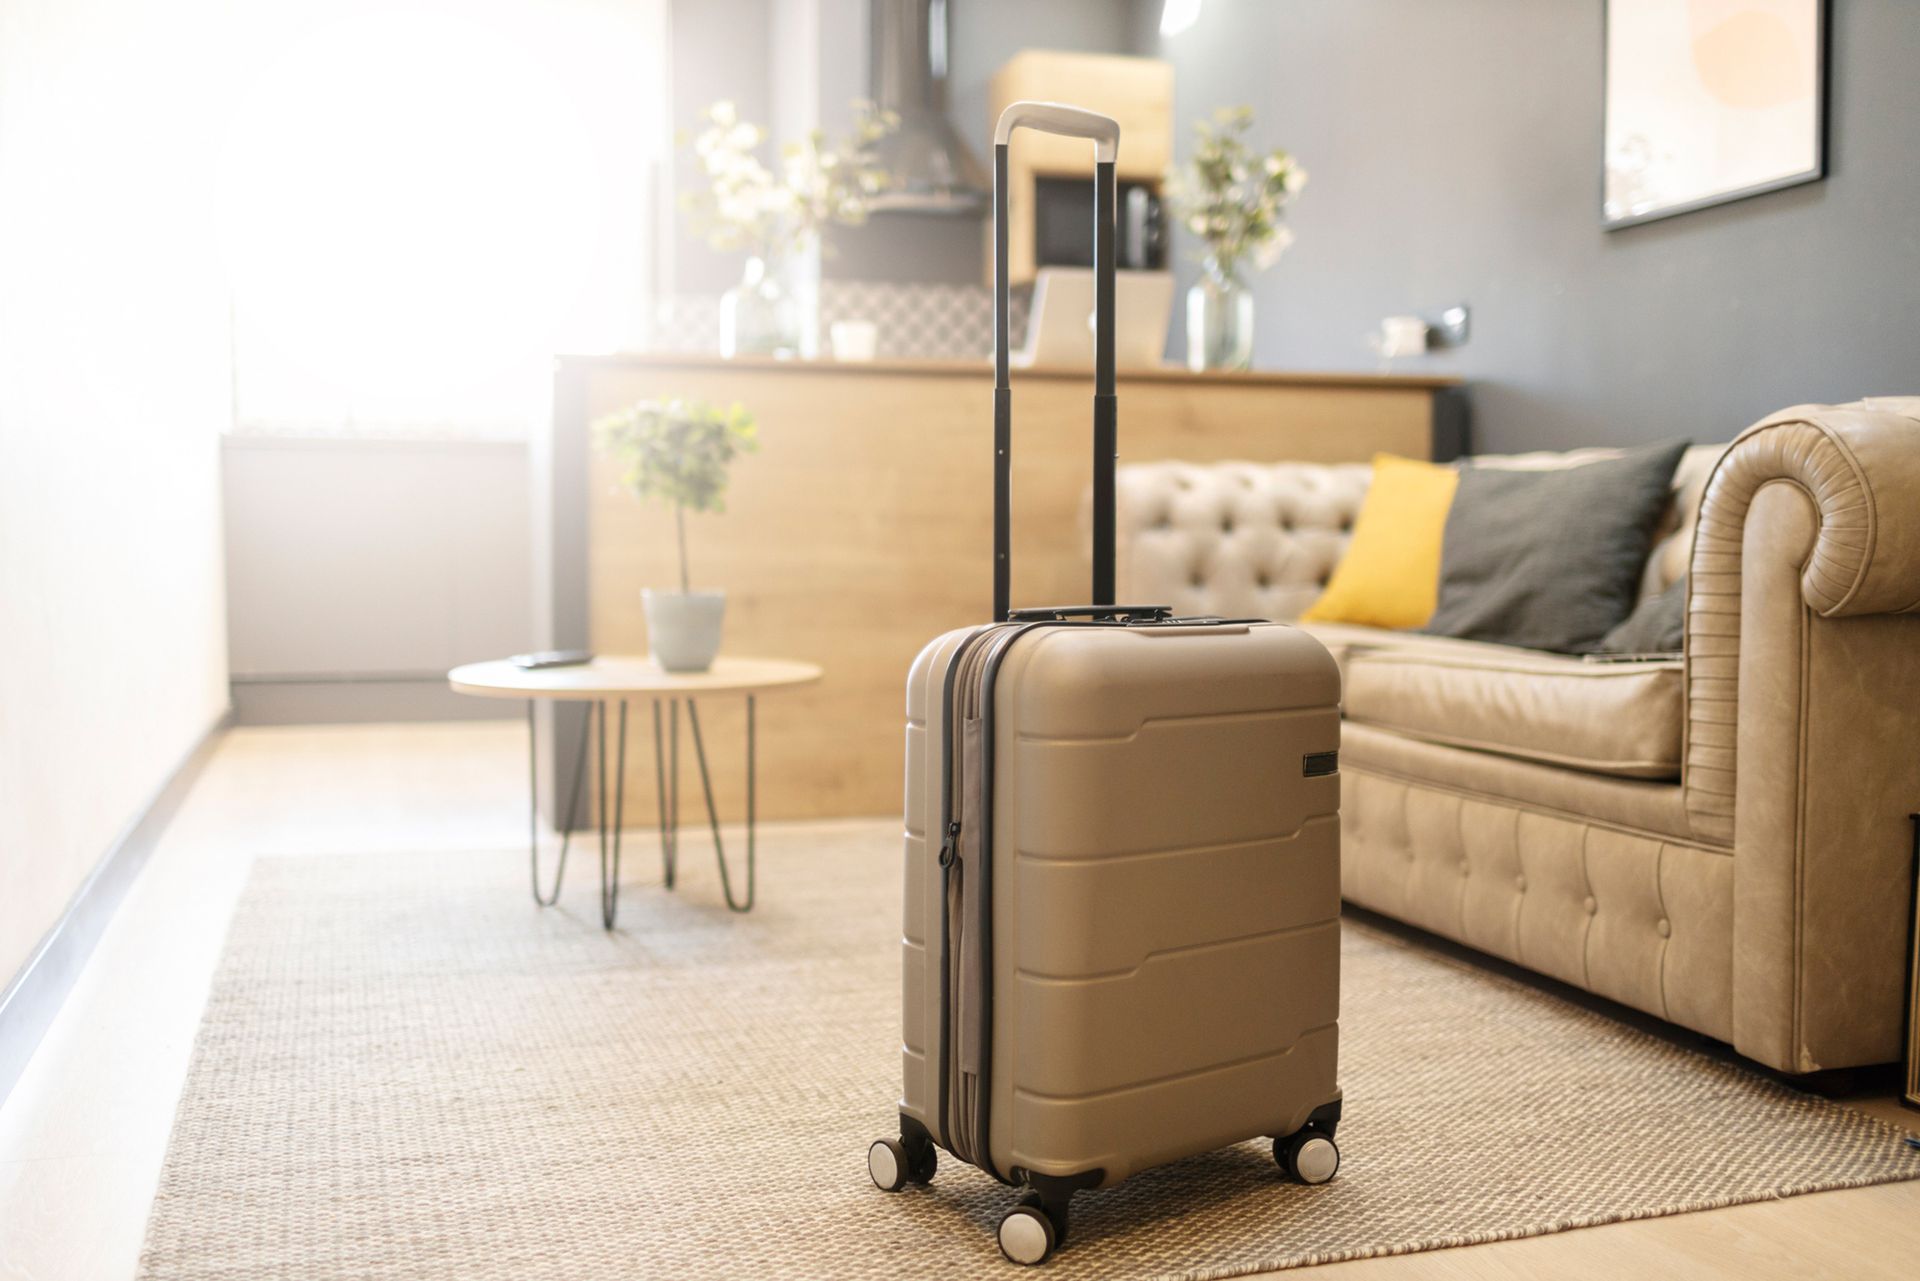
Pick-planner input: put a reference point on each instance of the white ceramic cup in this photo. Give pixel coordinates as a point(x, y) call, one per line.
point(1403, 336)
point(854, 339)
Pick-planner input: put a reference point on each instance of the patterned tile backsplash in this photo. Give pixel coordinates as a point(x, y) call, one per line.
point(942, 322)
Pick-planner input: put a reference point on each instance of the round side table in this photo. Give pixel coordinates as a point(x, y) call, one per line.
point(620, 679)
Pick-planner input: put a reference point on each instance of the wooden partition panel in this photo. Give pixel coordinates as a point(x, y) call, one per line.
point(863, 528)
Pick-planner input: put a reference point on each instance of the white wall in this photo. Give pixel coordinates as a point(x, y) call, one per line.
point(719, 50)
point(113, 387)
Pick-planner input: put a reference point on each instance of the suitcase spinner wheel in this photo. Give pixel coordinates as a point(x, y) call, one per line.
point(894, 1163)
point(1308, 1157)
point(1028, 1233)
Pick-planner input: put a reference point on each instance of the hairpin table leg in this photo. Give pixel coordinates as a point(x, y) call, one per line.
point(669, 835)
point(533, 807)
point(673, 778)
point(610, 871)
point(713, 813)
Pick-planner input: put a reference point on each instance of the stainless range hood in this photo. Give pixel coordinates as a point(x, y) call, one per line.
point(934, 172)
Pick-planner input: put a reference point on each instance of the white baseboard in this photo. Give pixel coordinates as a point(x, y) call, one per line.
point(34, 996)
point(346, 700)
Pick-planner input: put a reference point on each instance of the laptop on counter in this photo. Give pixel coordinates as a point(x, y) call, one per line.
point(1060, 321)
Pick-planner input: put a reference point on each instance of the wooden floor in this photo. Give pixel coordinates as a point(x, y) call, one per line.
point(83, 1133)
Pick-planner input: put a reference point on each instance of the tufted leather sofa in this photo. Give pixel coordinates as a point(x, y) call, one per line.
point(1720, 839)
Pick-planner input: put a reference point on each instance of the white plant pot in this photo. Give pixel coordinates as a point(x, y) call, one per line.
point(683, 628)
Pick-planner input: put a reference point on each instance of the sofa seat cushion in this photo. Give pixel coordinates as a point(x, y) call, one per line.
point(1617, 718)
point(1343, 640)
point(1651, 807)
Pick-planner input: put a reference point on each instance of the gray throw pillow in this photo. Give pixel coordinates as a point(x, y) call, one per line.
point(1550, 559)
point(1654, 626)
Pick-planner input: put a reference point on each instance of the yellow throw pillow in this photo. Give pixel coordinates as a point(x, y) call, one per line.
point(1390, 576)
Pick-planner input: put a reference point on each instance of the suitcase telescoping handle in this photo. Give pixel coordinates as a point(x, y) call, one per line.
point(1104, 132)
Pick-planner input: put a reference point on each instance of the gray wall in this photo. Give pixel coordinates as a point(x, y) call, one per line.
point(988, 32)
point(721, 49)
point(1455, 157)
point(1454, 151)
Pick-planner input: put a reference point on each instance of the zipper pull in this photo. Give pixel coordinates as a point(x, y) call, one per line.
point(950, 846)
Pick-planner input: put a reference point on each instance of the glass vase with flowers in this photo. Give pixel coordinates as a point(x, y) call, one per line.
point(1234, 199)
point(776, 214)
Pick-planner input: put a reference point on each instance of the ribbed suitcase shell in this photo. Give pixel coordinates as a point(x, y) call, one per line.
point(1165, 894)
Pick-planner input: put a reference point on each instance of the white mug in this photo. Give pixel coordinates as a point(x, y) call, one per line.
point(1402, 336)
point(854, 339)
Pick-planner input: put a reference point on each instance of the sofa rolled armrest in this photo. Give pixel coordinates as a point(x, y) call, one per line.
point(1803, 706)
point(1858, 468)
point(1859, 464)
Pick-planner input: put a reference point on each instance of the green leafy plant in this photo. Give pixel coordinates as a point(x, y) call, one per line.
point(1233, 198)
point(772, 212)
point(678, 452)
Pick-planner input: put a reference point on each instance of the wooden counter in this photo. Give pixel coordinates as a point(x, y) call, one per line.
point(863, 527)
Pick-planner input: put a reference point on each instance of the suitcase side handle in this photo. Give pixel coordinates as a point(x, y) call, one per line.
point(1104, 132)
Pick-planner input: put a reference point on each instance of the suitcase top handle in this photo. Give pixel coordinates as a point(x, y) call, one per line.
point(1104, 133)
point(1125, 613)
point(1058, 117)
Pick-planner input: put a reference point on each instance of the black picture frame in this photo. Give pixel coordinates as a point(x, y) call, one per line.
point(1823, 22)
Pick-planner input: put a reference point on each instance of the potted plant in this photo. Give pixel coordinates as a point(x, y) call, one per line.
point(777, 214)
point(1233, 199)
point(678, 452)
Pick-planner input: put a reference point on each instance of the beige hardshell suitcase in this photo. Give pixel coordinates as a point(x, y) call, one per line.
point(1121, 940)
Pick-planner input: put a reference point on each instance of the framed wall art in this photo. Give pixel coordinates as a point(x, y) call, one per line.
point(1708, 101)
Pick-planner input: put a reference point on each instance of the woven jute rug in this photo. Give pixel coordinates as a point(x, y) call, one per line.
point(407, 1070)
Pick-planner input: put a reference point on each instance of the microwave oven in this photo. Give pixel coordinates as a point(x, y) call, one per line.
point(1063, 225)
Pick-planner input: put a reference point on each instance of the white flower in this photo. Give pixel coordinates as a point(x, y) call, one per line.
point(738, 208)
point(1296, 179)
point(775, 206)
point(1269, 250)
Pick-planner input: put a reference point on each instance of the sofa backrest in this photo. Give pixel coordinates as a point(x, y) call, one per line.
point(1242, 540)
point(1260, 540)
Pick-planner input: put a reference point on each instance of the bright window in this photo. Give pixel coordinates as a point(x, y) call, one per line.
point(426, 201)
